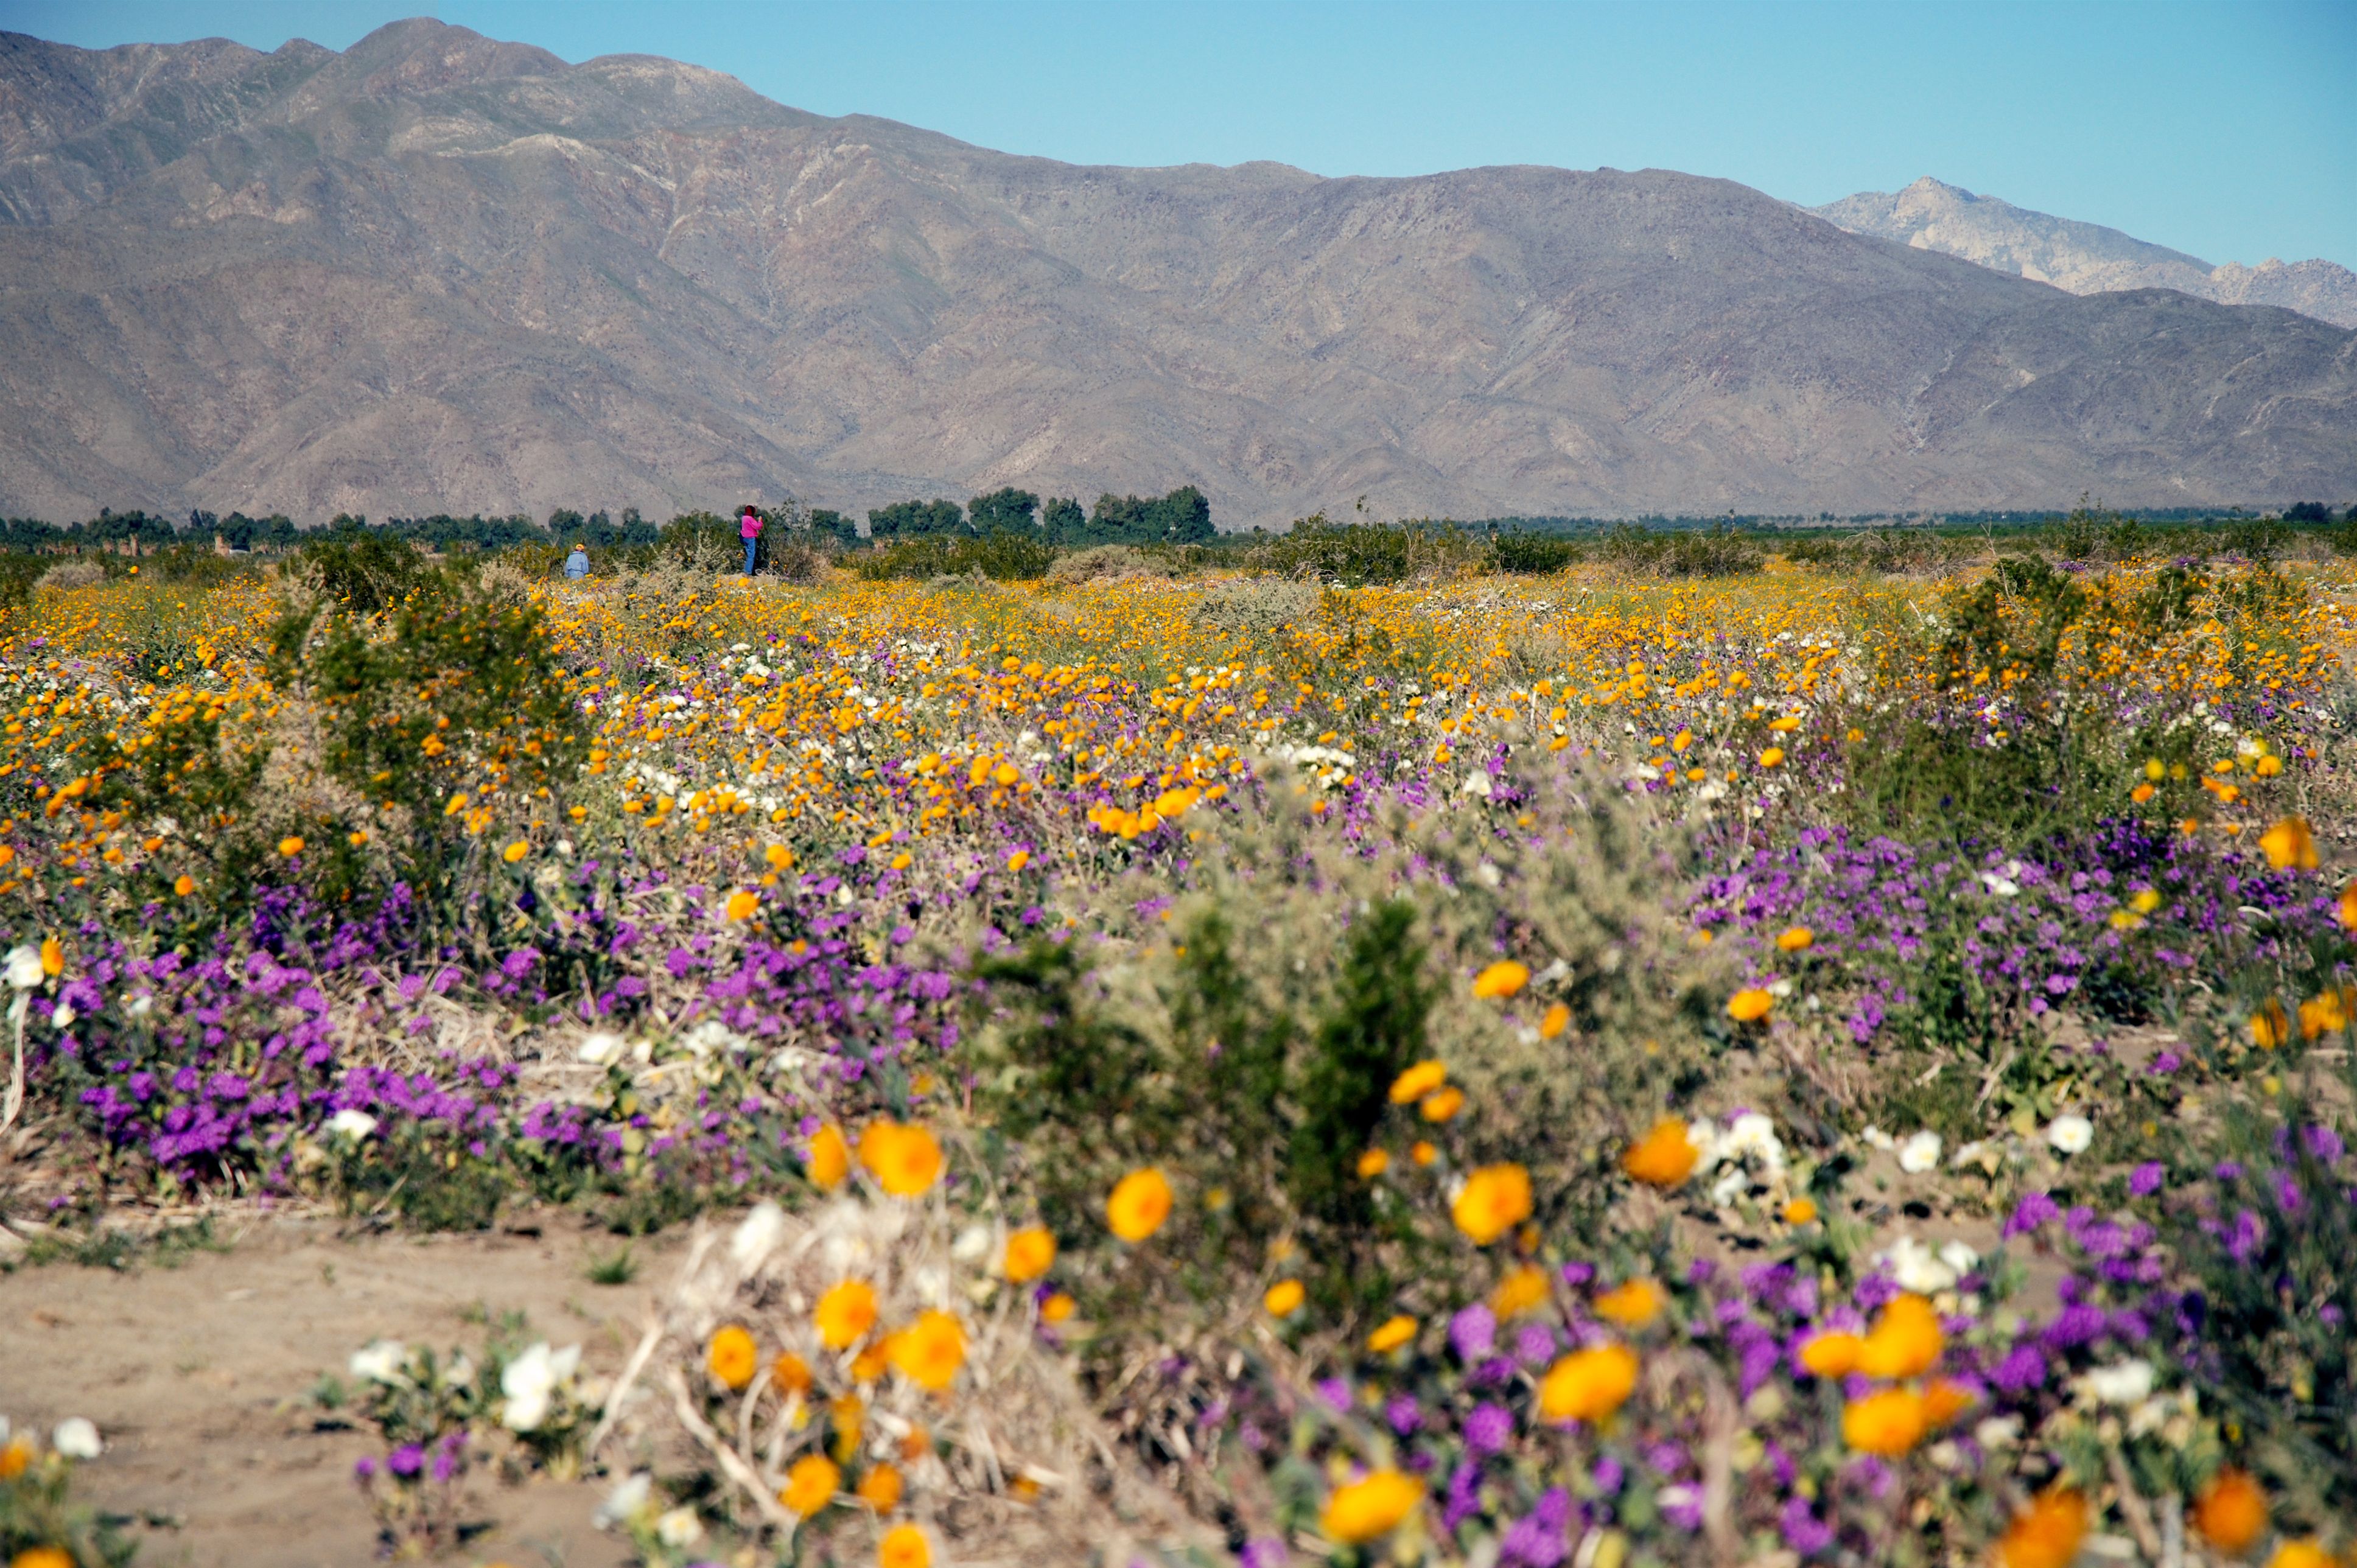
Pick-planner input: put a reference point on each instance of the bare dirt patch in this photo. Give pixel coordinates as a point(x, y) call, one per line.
point(200, 1376)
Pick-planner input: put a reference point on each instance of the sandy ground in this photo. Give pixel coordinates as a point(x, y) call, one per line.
point(198, 1377)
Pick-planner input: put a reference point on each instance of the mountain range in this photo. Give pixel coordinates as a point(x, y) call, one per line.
point(438, 271)
point(2084, 258)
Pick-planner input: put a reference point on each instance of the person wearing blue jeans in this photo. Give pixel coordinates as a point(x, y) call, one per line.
point(748, 528)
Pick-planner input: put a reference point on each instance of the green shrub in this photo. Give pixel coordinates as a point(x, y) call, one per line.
point(364, 572)
point(1002, 557)
point(1533, 553)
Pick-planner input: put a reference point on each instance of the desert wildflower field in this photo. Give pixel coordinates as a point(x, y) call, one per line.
point(1800, 1063)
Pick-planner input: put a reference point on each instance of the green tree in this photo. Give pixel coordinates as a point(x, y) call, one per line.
point(1009, 510)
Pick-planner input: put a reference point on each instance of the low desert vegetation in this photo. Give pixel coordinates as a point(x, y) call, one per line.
point(1381, 1044)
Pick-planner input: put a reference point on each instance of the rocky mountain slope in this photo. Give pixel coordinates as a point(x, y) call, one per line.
point(2085, 258)
point(438, 271)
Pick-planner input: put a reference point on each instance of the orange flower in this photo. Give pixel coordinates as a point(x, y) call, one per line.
point(1283, 1298)
point(2303, 1554)
point(845, 1313)
point(516, 851)
point(1795, 939)
point(1519, 1291)
point(1800, 1211)
point(732, 1356)
point(2289, 846)
point(869, 1364)
point(185, 885)
point(1056, 1307)
point(1500, 979)
point(1391, 1334)
point(291, 846)
point(1493, 1200)
point(1633, 1305)
point(1833, 1355)
point(2346, 908)
point(1889, 1423)
point(1373, 1163)
point(1749, 1006)
point(929, 1352)
point(2326, 1013)
point(904, 1159)
point(2269, 1028)
point(1440, 1107)
point(1018, 859)
point(1588, 1385)
point(1419, 1082)
point(44, 1556)
point(1422, 1153)
point(790, 1374)
point(1905, 1340)
point(811, 1484)
point(1555, 1021)
point(742, 903)
point(2231, 1512)
point(1138, 1205)
point(829, 1160)
point(1663, 1157)
point(904, 1546)
point(1029, 1251)
point(14, 1455)
point(2142, 793)
point(1771, 757)
point(880, 1489)
point(2046, 1533)
point(1370, 1507)
point(1943, 1402)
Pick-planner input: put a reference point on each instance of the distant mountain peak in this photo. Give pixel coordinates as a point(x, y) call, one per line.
point(2084, 258)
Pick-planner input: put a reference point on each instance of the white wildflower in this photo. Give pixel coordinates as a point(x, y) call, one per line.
point(63, 1017)
point(601, 1049)
point(1917, 1268)
point(530, 1382)
point(625, 1501)
point(1959, 1257)
point(379, 1362)
point(351, 1123)
point(679, 1528)
point(2126, 1383)
point(1998, 1431)
point(1476, 783)
point(2069, 1134)
point(76, 1438)
point(1919, 1153)
point(756, 1236)
point(25, 970)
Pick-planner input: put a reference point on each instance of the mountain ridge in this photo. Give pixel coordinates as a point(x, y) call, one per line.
point(441, 273)
point(2084, 258)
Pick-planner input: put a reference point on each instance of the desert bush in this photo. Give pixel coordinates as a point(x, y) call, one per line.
point(1002, 557)
point(365, 573)
point(76, 573)
point(1720, 551)
point(1251, 1070)
point(1535, 553)
point(1358, 553)
point(883, 1367)
point(1101, 562)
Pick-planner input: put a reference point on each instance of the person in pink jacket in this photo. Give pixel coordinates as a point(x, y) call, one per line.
point(748, 528)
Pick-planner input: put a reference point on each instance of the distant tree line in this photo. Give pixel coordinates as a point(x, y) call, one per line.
point(1182, 517)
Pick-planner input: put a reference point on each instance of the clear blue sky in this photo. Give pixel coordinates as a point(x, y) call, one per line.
point(2229, 131)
